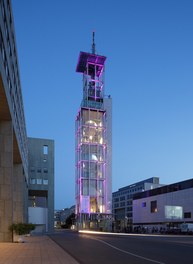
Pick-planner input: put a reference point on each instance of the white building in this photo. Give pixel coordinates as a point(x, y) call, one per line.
point(167, 206)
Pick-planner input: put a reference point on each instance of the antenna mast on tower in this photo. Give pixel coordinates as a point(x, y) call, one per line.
point(93, 43)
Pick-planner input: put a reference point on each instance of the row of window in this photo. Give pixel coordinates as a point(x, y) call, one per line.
point(129, 190)
point(38, 181)
point(123, 198)
point(39, 170)
point(122, 204)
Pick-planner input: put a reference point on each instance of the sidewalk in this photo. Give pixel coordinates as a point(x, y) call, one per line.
point(35, 250)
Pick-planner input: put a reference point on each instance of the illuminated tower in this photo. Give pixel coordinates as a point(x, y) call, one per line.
point(93, 146)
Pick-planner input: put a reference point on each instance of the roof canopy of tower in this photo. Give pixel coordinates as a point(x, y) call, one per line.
point(85, 58)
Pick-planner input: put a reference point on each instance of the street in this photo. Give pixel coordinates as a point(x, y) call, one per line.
point(132, 249)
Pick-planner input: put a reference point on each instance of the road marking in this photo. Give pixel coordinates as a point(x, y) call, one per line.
point(129, 253)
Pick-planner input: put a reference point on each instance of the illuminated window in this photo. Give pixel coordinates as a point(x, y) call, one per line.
point(153, 206)
point(32, 181)
point(45, 150)
point(39, 181)
point(45, 182)
point(173, 212)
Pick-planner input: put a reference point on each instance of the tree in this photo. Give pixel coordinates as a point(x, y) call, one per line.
point(70, 220)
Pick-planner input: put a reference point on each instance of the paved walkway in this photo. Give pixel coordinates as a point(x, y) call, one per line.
point(35, 250)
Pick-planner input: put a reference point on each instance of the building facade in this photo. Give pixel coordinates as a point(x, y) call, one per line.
point(123, 202)
point(13, 139)
point(93, 146)
point(41, 184)
point(164, 207)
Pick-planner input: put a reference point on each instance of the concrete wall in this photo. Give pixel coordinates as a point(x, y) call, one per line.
point(12, 184)
point(6, 180)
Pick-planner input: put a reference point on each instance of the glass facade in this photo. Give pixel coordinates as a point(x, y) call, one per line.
point(93, 158)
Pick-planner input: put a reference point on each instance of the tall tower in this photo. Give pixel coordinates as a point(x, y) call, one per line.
point(93, 146)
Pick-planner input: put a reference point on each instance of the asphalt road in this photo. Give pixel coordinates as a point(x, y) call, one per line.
point(131, 249)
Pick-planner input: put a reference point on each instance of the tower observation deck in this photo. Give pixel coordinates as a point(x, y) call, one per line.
point(93, 146)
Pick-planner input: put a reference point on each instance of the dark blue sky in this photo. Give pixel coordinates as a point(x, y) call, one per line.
point(149, 74)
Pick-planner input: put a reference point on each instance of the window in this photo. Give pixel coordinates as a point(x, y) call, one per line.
point(32, 181)
point(39, 170)
point(144, 204)
point(187, 214)
point(129, 209)
point(45, 160)
point(45, 170)
point(173, 212)
point(45, 150)
point(129, 215)
point(39, 181)
point(32, 169)
point(122, 204)
point(45, 182)
point(153, 206)
point(93, 187)
point(85, 187)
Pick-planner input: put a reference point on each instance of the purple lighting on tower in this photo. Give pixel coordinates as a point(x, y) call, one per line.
point(92, 152)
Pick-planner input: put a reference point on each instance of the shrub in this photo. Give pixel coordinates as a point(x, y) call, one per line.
point(22, 228)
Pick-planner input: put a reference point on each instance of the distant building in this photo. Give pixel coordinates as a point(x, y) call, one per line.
point(123, 202)
point(60, 216)
point(167, 206)
point(13, 138)
point(57, 218)
point(93, 146)
point(41, 184)
point(65, 213)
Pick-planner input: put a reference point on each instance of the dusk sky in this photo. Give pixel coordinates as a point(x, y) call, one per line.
point(149, 75)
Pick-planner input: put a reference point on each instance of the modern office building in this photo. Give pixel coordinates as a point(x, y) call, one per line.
point(167, 206)
point(41, 184)
point(123, 202)
point(13, 139)
point(93, 146)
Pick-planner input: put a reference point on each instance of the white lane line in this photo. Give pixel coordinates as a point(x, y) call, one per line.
point(129, 253)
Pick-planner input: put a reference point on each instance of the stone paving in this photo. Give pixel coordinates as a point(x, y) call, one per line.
point(35, 250)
